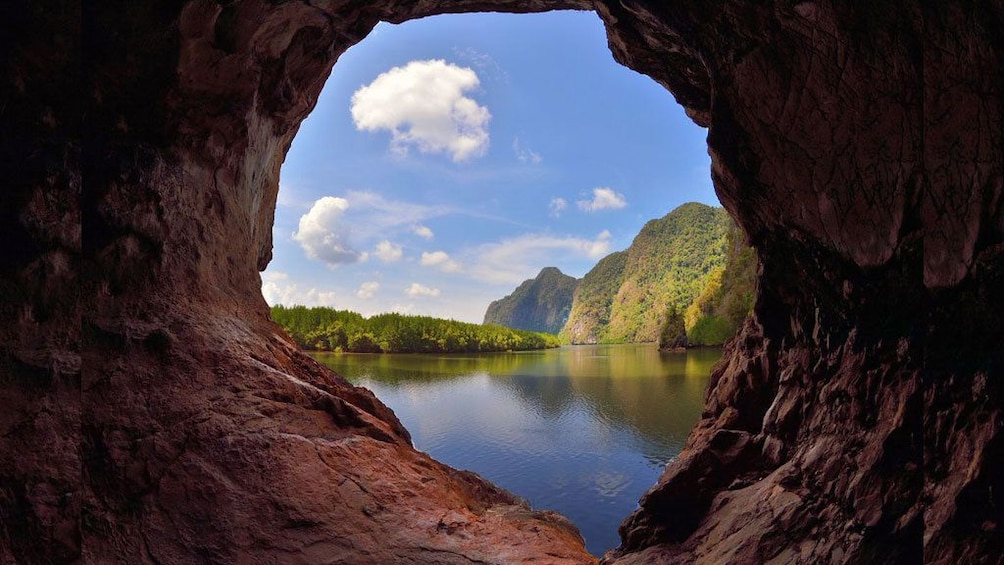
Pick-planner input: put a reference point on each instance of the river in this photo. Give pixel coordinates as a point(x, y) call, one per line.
point(583, 430)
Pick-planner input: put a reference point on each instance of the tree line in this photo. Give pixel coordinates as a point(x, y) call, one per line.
point(326, 329)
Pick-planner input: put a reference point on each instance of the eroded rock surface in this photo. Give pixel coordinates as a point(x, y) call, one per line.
point(152, 413)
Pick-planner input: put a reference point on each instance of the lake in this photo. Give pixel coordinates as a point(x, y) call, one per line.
point(583, 430)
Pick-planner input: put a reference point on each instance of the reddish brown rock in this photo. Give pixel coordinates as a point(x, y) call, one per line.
point(152, 413)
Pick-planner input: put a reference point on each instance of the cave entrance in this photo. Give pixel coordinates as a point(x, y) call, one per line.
point(451, 158)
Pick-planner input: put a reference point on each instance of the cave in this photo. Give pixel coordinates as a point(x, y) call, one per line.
point(152, 413)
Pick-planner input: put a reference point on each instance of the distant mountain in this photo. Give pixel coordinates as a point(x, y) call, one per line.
point(540, 304)
point(687, 279)
point(679, 262)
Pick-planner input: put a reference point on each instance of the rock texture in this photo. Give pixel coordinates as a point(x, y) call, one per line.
point(540, 304)
point(152, 413)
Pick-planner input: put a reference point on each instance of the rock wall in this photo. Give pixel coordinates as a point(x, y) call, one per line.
point(152, 412)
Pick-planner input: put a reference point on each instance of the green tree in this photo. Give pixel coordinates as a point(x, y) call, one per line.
point(673, 334)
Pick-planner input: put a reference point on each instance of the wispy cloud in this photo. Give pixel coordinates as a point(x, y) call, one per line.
point(440, 260)
point(557, 206)
point(603, 199)
point(374, 215)
point(423, 104)
point(486, 65)
point(510, 260)
point(525, 154)
point(417, 289)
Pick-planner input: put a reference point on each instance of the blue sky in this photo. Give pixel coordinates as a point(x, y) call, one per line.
point(450, 158)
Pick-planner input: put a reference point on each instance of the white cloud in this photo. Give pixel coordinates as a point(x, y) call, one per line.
point(274, 276)
point(374, 216)
point(367, 290)
point(421, 290)
point(289, 294)
point(334, 225)
point(422, 231)
point(525, 154)
point(322, 234)
point(423, 104)
point(439, 259)
point(388, 252)
point(557, 206)
point(512, 260)
point(603, 199)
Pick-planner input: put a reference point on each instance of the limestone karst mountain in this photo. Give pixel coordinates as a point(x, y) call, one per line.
point(693, 259)
point(540, 304)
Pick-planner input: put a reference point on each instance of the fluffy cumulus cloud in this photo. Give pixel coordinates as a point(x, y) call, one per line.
point(323, 235)
point(422, 231)
point(603, 199)
point(524, 153)
point(417, 289)
point(367, 290)
point(334, 223)
point(557, 206)
point(424, 105)
point(439, 259)
point(388, 252)
point(509, 261)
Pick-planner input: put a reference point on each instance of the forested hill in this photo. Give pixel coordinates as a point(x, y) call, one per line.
point(692, 261)
point(341, 330)
point(540, 304)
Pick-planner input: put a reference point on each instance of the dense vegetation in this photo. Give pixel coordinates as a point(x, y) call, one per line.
point(687, 279)
point(627, 297)
point(667, 264)
point(590, 314)
point(540, 304)
point(340, 330)
point(727, 297)
point(674, 333)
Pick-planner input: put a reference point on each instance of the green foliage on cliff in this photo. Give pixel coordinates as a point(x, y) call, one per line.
point(673, 334)
point(340, 330)
point(692, 256)
point(540, 304)
point(592, 301)
point(727, 297)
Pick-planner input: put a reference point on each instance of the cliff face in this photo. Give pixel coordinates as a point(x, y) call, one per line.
point(593, 300)
point(152, 410)
point(669, 262)
point(540, 304)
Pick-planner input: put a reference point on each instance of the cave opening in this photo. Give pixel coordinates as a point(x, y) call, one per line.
point(451, 158)
point(153, 412)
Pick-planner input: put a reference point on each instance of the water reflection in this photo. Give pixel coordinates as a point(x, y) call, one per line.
point(583, 430)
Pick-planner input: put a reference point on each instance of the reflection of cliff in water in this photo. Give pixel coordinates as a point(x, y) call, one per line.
point(659, 395)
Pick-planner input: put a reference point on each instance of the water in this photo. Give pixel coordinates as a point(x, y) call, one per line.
point(583, 430)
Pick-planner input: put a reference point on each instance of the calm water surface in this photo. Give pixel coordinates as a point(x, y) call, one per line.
point(583, 430)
